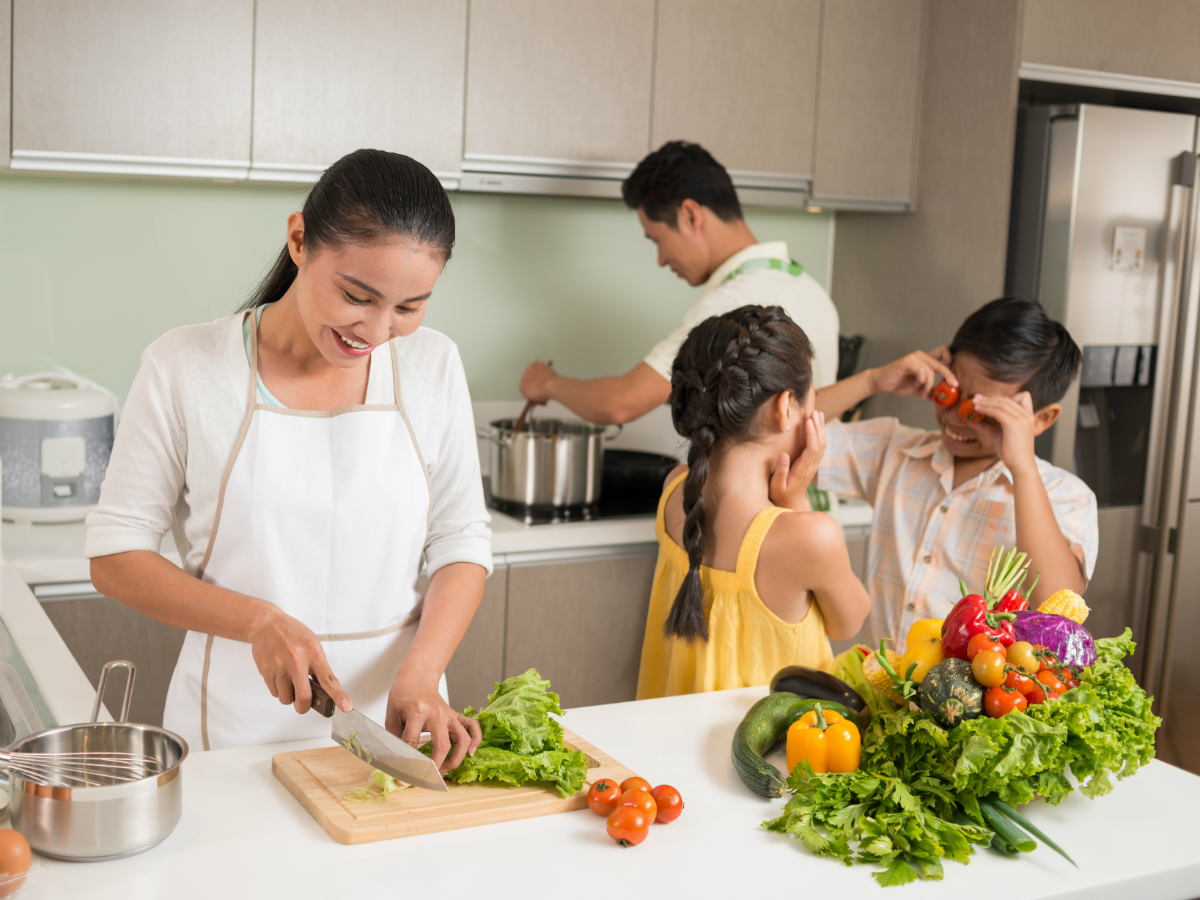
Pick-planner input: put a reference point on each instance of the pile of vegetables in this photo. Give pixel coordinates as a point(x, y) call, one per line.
point(521, 742)
point(937, 775)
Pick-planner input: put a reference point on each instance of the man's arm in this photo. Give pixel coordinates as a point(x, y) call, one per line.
point(601, 401)
point(914, 375)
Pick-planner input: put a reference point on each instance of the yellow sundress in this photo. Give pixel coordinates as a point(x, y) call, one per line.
point(747, 643)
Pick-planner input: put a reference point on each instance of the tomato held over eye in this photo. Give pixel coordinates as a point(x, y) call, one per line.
point(628, 826)
point(669, 802)
point(966, 411)
point(602, 797)
point(945, 394)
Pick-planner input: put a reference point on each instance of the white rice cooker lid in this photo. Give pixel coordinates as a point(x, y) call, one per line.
point(53, 395)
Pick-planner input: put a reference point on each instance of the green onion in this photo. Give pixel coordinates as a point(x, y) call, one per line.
point(1007, 810)
point(1006, 829)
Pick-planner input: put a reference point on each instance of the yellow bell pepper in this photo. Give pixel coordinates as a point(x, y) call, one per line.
point(829, 744)
point(925, 653)
point(921, 630)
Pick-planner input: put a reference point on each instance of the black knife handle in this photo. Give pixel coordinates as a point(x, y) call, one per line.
point(321, 701)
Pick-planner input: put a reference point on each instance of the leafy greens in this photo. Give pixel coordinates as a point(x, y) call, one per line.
point(521, 743)
point(914, 799)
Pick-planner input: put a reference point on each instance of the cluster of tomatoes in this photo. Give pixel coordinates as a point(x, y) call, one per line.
point(946, 394)
point(632, 806)
point(1017, 676)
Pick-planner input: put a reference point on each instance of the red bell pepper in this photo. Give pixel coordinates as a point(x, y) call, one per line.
point(971, 616)
point(1012, 602)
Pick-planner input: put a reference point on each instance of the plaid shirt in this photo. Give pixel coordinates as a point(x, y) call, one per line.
point(926, 533)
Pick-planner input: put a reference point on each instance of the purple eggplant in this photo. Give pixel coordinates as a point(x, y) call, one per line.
point(1067, 640)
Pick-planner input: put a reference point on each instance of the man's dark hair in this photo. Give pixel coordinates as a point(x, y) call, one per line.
point(1019, 344)
point(679, 171)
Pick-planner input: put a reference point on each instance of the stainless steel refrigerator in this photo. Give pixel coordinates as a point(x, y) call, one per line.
point(1104, 233)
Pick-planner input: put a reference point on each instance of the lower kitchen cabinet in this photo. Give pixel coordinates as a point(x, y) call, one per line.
point(581, 623)
point(478, 663)
point(97, 629)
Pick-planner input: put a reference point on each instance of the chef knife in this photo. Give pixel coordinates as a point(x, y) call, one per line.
point(374, 744)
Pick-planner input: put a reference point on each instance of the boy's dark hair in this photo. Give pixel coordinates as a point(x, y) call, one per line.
point(679, 171)
point(727, 368)
point(1019, 344)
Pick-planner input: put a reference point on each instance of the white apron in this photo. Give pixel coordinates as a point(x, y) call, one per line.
point(325, 515)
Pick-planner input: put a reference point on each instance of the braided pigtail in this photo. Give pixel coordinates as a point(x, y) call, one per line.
point(727, 368)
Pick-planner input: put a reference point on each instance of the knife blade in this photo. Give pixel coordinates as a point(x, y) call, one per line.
point(374, 744)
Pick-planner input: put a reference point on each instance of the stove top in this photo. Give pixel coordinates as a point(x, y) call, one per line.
point(608, 508)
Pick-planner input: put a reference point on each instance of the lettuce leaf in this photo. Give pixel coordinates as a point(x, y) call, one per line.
point(914, 800)
point(565, 769)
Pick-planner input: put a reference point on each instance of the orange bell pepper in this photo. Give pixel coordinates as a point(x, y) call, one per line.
point(829, 743)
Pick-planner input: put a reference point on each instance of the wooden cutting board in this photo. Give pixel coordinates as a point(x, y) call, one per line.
point(321, 778)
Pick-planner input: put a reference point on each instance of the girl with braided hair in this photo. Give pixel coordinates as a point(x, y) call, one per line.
point(749, 579)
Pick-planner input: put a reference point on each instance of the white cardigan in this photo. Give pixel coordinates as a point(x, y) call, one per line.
point(183, 415)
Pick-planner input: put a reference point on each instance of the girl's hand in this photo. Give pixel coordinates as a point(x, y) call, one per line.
point(914, 375)
point(414, 705)
point(1012, 433)
point(789, 483)
point(286, 652)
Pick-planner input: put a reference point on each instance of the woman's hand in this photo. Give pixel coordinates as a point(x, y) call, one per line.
point(914, 375)
point(789, 482)
point(535, 382)
point(286, 652)
point(1012, 431)
point(414, 705)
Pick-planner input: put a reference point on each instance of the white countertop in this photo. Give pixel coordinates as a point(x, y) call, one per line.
point(243, 835)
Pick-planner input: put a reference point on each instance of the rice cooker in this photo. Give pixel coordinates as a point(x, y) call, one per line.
point(56, 434)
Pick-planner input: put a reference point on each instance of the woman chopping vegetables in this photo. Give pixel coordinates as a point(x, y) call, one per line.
point(307, 453)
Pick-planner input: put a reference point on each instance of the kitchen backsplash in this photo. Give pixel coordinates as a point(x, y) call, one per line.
point(92, 270)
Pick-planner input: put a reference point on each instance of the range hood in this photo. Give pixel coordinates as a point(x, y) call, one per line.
point(575, 178)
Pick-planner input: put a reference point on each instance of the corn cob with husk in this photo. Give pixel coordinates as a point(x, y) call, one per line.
point(879, 678)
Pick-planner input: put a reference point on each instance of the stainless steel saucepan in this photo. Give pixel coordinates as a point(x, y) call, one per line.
point(548, 463)
point(109, 820)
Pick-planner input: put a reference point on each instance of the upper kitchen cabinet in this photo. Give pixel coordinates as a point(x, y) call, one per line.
point(559, 84)
point(331, 78)
point(740, 78)
point(133, 86)
point(868, 104)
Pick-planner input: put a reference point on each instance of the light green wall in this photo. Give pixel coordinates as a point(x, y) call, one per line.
point(92, 270)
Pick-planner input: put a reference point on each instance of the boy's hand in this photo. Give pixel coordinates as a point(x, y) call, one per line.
point(1013, 433)
point(789, 483)
point(914, 375)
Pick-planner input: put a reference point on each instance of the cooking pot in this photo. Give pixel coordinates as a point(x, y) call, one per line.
point(548, 463)
point(107, 821)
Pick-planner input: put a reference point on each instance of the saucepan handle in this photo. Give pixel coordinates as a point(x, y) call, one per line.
point(616, 434)
point(108, 667)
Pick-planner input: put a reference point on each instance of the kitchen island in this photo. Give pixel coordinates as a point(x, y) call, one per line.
point(243, 835)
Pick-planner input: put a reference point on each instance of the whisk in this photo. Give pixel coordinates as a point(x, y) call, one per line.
point(91, 768)
point(87, 768)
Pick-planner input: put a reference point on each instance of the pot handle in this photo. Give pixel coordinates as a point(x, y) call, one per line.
point(108, 667)
point(485, 435)
point(617, 434)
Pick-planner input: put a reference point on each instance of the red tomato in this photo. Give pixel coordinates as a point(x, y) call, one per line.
point(628, 826)
point(1071, 680)
point(945, 394)
point(1051, 683)
point(1000, 701)
point(980, 642)
point(1036, 695)
point(635, 783)
point(669, 802)
point(642, 800)
point(988, 668)
point(966, 411)
point(602, 797)
point(1019, 681)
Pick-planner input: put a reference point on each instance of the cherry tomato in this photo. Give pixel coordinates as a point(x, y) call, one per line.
point(945, 394)
point(988, 668)
point(1071, 681)
point(1000, 701)
point(635, 783)
point(1018, 681)
point(1021, 654)
point(1037, 695)
point(669, 802)
point(602, 797)
point(642, 800)
point(980, 642)
point(1045, 657)
point(1051, 683)
point(628, 826)
point(966, 411)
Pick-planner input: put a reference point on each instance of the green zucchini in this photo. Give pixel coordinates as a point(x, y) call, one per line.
point(764, 726)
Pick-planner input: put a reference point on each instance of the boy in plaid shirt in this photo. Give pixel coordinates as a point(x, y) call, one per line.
point(943, 499)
